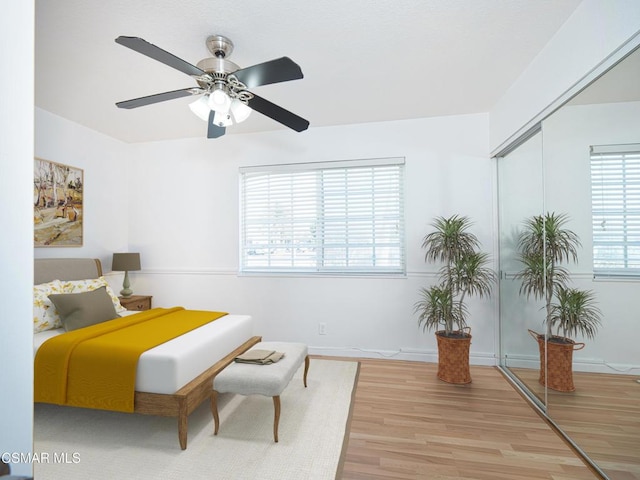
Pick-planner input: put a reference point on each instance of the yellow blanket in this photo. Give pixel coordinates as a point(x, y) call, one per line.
point(95, 367)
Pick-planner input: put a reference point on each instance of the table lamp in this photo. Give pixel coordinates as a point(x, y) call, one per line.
point(125, 262)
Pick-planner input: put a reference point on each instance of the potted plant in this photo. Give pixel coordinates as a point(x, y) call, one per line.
point(465, 271)
point(544, 244)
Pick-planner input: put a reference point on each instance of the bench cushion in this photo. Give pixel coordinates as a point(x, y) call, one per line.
point(269, 380)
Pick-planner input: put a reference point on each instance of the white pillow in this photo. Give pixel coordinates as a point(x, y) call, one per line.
point(45, 315)
point(90, 284)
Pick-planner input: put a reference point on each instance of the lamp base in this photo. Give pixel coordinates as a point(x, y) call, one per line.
point(126, 291)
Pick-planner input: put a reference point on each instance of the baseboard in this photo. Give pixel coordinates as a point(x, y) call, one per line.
point(587, 365)
point(410, 354)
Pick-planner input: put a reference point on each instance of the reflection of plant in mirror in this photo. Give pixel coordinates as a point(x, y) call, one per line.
point(544, 244)
point(575, 313)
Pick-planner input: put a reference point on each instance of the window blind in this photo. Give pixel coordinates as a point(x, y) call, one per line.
point(330, 217)
point(615, 200)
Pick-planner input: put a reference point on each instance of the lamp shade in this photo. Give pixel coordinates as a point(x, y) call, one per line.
point(219, 101)
point(125, 262)
point(201, 107)
point(240, 111)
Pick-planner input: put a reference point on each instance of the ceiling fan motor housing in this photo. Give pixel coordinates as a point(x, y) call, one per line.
point(218, 67)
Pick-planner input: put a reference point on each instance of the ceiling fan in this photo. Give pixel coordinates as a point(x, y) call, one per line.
point(223, 86)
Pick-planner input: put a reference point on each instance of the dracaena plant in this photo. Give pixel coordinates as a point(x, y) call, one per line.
point(544, 245)
point(465, 271)
point(575, 312)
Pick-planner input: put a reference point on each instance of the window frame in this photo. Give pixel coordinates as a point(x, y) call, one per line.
point(615, 199)
point(390, 169)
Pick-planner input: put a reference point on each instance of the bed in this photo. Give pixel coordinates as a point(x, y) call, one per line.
point(174, 378)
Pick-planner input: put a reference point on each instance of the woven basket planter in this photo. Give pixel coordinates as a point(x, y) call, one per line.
point(559, 372)
point(453, 357)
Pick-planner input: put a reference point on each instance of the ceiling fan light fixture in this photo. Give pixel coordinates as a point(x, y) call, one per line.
point(240, 110)
point(201, 108)
point(219, 101)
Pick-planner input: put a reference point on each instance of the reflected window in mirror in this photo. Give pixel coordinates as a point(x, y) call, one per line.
point(615, 206)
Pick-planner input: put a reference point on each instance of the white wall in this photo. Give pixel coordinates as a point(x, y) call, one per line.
point(105, 163)
point(594, 31)
point(184, 221)
point(16, 254)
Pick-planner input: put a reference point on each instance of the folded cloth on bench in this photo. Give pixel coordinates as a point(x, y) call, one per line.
point(259, 357)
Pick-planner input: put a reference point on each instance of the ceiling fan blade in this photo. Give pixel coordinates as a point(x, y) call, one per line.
point(214, 131)
point(274, 71)
point(150, 50)
point(278, 114)
point(158, 97)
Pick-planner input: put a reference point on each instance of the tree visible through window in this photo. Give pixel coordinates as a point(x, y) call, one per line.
point(615, 200)
point(329, 217)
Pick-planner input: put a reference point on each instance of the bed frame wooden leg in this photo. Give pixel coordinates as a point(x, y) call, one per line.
point(306, 369)
point(276, 419)
point(214, 411)
point(183, 418)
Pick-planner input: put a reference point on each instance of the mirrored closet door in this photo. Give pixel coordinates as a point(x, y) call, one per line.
point(587, 171)
point(520, 191)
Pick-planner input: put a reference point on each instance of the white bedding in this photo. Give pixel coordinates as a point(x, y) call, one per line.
point(168, 367)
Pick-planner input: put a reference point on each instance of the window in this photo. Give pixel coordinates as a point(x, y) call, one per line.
point(615, 200)
point(330, 217)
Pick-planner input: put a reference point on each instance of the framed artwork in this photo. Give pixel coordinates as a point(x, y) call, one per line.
point(57, 204)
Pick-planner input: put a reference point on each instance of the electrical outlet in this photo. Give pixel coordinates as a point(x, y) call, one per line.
point(322, 328)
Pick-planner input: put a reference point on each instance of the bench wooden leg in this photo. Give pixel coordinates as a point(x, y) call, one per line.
point(214, 411)
point(306, 369)
point(276, 419)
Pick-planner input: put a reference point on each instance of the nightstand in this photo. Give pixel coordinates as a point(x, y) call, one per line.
point(136, 302)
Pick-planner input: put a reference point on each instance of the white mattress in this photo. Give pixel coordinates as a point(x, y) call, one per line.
point(171, 365)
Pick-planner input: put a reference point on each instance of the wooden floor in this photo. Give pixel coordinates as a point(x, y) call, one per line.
point(602, 416)
point(407, 424)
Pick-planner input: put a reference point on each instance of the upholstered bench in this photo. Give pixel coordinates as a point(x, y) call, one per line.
point(268, 380)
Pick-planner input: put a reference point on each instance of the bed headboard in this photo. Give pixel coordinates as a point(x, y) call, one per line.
point(48, 269)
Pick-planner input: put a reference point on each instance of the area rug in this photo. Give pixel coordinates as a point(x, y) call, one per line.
point(75, 443)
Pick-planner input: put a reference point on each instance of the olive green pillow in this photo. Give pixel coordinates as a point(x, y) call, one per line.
point(79, 310)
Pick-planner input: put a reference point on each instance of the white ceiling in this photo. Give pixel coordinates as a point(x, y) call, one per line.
point(363, 60)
